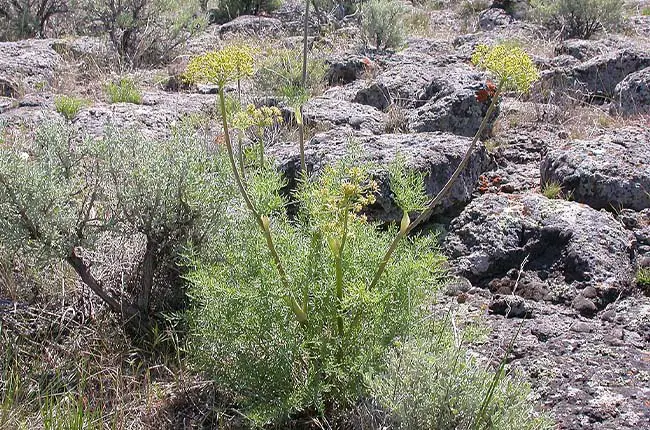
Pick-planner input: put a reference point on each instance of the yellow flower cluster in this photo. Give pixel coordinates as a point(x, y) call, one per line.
point(342, 197)
point(256, 117)
point(221, 67)
point(510, 64)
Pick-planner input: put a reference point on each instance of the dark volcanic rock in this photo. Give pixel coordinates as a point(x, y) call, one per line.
point(155, 118)
point(632, 95)
point(601, 74)
point(610, 171)
point(582, 49)
point(451, 103)
point(333, 112)
point(589, 374)
point(28, 64)
point(440, 98)
point(435, 154)
point(493, 17)
point(345, 70)
point(567, 247)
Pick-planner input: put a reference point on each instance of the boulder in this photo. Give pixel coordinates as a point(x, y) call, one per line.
point(566, 249)
point(493, 17)
point(639, 224)
point(346, 69)
point(404, 82)
point(27, 64)
point(518, 9)
point(452, 105)
point(435, 154)
point(154, 118)
point(330, 113)
point(632, 94)
point(601, 74)
point(610, 171)
point(441, 98)
point(582, 49)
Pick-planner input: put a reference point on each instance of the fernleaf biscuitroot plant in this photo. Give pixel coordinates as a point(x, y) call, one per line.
point(304, 308)
point(279, 364)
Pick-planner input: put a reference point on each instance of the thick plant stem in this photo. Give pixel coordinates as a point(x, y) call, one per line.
point(301, 126)
point(301, 142)
point(240, 154)
point(263, 222)
point(338, 262)
point(442, 193)
point(261, 135)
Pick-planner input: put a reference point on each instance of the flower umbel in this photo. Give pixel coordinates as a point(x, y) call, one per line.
point(264, 116)
point(510, 64)
point(221, 67)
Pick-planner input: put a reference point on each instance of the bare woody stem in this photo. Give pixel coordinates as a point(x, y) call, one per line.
point(263, 223)
point(424, 215)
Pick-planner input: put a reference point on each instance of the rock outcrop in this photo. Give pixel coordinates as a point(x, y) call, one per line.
point(435, 154)
point(567, 252)
point(632, 94)
point(610, 171)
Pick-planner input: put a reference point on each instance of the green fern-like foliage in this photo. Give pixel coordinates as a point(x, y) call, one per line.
point(275, 364)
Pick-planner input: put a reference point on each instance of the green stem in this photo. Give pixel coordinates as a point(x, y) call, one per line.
point(261, 136)
point(339, 274)
point(442, 193)
point(291, 302)
point(301, 142)
point(240, 154)
point(301, 126)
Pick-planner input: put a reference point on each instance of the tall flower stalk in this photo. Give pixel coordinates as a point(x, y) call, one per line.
point(299, 117)
point(219, 68)
point(515, 71)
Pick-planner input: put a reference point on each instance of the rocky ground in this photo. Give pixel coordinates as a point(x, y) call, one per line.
point(563, 270)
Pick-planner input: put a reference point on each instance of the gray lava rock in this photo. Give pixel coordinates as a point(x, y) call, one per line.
point(633, 94)
point(510, 307)
point(493, 17)
point(154, 119)
point(600, 75)
point(610, 171)
point(411, 79)
point(451, 104)
point(569, 246)
point(440, 98)
point(435, 154)
point(332, 112)
point(582, 49)
point(29, 64)
point(345, 70)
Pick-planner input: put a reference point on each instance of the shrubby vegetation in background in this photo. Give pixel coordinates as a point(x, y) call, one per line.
point(230, 9)
point(383, 23)
point(579, 18)
point(21, 19)
point(146, 31)
point(65, 197)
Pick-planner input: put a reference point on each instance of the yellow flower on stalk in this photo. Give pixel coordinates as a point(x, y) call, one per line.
point(262, 117)
point(221, 67)
point(510, 64)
